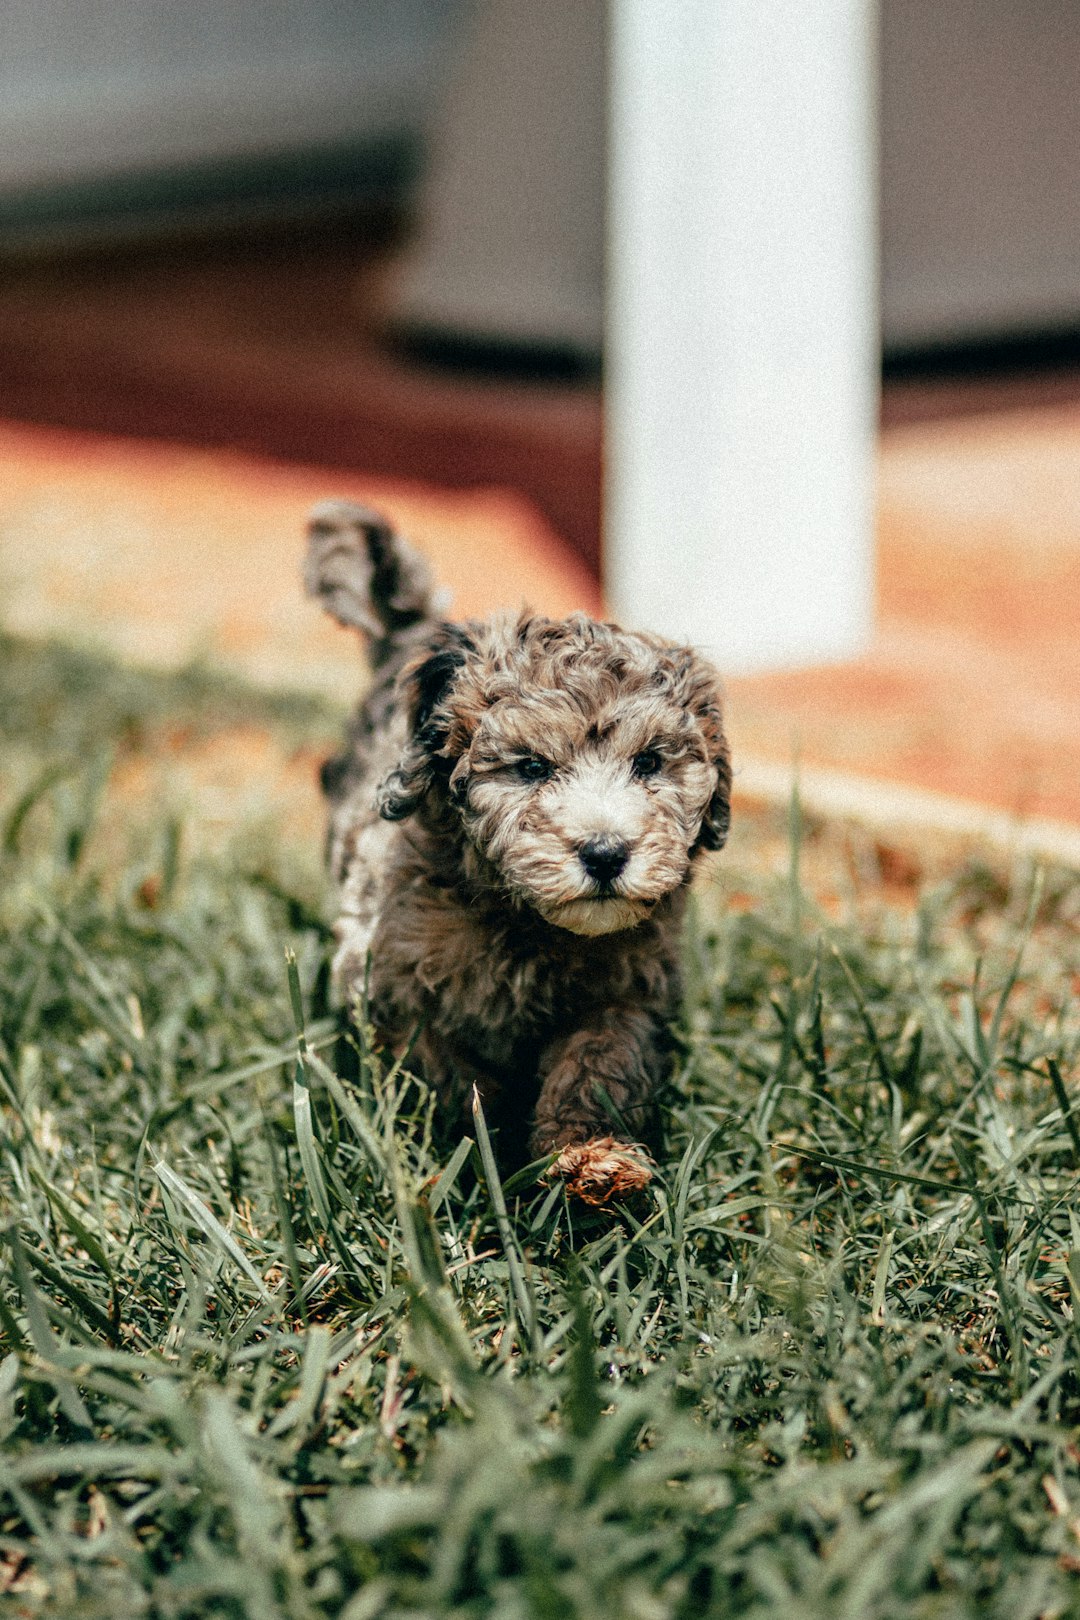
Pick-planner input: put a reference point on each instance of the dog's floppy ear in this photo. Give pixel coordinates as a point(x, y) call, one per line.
point(703, 695)
point(424, 683)
point(717, 819)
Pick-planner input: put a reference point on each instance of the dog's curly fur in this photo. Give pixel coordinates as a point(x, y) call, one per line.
point(514, 823)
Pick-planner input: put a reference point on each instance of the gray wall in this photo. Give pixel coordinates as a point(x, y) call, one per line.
point(980, 122)
point(980, 196)
point(93, 87)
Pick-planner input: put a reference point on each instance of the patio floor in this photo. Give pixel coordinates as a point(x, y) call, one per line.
point(967, 703)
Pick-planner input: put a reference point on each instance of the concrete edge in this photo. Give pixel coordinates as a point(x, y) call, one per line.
point(838, 795)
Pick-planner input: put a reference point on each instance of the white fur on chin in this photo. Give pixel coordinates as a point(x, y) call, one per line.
point(591, 917)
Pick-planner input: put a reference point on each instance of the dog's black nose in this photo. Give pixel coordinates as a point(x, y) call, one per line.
point(604, 857)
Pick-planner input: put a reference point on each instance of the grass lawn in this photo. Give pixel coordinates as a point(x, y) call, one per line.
point(273, 1346)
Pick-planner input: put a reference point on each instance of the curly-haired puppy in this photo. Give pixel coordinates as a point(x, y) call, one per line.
point(514, 823)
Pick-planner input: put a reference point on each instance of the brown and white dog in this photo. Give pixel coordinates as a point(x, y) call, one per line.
point(514, 823)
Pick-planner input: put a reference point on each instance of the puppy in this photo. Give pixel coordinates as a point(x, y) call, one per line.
point(514, 823)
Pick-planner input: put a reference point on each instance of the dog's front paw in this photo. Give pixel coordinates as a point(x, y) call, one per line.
point(603, 1171)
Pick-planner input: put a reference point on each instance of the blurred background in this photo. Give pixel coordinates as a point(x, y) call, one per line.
point(762, 327)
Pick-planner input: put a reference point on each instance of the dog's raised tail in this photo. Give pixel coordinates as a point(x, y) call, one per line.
point(367, 577)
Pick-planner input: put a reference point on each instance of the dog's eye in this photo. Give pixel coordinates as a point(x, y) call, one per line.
point(647, 763)
point(534, 769)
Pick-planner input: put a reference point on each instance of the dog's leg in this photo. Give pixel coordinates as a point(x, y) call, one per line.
point(618, 1053)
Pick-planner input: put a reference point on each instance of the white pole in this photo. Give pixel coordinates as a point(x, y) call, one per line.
point(742, 346)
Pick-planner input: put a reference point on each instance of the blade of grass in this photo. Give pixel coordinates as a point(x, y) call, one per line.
point(881, 1280)
point(876, 1171)
point(208, 1223)
point(525, 1302)
point(77, 1227)
point(288, 1236)
point(1067, 1117)
point(885, 1068)
point(42, 1336)
point(447, 1178)
point(308, 1148)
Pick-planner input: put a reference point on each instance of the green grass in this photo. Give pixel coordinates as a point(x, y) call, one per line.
point(273, 1348)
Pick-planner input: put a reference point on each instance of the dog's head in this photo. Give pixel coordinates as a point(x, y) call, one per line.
point(586, 765)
